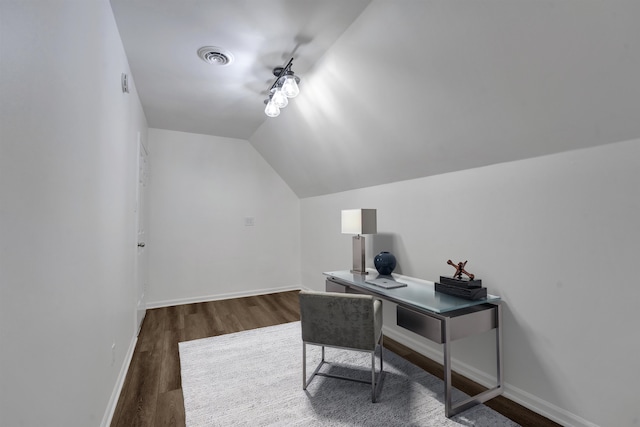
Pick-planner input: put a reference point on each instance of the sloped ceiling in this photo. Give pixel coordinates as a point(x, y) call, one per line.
point(414, 88)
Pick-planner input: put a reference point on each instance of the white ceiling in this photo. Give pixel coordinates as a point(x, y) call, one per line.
point(179, 91)
point(391, 89)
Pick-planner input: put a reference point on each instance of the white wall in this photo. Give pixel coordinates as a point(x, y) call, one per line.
point(415, 89)
point(67, 231)
point(201, 190)
point(557, 237)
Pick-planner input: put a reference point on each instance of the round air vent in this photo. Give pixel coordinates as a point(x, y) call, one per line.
point(215, 55)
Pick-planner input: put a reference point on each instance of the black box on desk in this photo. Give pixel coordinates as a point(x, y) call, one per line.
point(458, 291)
point(462, 283)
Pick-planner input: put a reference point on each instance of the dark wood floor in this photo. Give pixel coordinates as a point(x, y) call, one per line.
point(152, 391)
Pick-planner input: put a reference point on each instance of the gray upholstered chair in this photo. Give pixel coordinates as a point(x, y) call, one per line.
point(340, 320)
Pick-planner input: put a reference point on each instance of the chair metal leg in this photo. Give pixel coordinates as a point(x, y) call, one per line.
point(373, 376)
point(375, 385)
point(381, 349)
point(305, 382)
point(304, 365)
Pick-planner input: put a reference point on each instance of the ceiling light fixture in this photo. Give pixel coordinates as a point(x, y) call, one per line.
point(284, 87)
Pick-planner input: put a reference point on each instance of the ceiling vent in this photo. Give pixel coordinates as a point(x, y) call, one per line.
point(215, 55)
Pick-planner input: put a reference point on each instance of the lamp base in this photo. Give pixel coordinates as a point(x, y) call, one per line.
point(358, 272)
point(358, 266)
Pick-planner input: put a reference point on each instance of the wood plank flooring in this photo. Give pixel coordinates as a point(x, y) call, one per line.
point(152, 391)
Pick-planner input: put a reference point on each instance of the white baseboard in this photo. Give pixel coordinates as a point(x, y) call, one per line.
point(546, 409)
point(206, 298)
point(534, 403)
point(113, 401)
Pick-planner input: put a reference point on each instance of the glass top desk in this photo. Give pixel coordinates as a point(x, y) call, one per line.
point(436, 316)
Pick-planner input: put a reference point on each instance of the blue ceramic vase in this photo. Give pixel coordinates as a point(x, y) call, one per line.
point(385, 263)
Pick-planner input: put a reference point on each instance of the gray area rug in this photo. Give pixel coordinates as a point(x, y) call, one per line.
point(254, 378)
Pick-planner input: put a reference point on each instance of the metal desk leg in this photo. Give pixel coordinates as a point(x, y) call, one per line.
point(451, 409)
point(499, 349)
point(447, 368)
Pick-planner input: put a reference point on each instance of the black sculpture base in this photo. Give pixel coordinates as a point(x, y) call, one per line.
point(462, 283)
point(458, 291)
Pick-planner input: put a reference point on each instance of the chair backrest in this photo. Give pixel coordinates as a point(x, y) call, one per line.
point(341, 320)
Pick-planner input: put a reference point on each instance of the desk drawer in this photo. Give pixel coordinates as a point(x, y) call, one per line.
point(463, 323)
point(426, 326)
point(331, 286)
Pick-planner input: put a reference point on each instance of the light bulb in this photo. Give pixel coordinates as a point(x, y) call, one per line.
point(272, 109)
point(279, 98)
point(290, 87)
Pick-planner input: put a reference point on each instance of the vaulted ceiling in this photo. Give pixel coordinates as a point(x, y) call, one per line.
point(391, 89)
point(180, 91)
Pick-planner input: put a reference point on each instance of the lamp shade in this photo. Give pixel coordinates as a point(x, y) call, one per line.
point(290, 86)
point(279, 98)
point(272, 109)
point(359, 221)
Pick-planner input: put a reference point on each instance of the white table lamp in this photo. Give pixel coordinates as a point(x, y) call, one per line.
point(358, 222)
